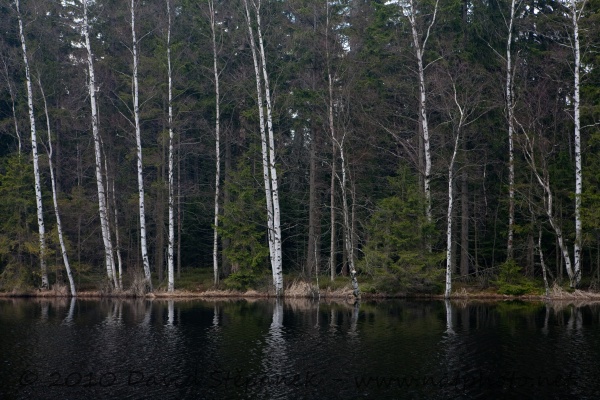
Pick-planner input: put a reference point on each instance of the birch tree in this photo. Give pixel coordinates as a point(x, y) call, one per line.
point(348, 226)
point(420, 45)
point(510, 118)
point(34, 150)
point(102, 199)
point(575, 16)
point(171, 245)
point(333, 145)
point(267, 146)
point(465, 107)
point(212, 17)
point(59, 227)
point(541, 175)
point(138, 140)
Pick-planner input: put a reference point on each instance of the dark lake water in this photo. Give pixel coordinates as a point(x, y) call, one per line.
point(297, 349)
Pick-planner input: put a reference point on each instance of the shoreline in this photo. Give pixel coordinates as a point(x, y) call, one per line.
point(555, 295)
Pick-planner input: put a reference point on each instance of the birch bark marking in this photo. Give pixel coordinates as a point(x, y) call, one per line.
point(275, 267)
point(348, 232)
point(578, 178)
point(333, 152)
point(420, 52)
point(171, 245)
point(449, 254)
point(544, 182)
point(34, 150)
point(138, 139)
point(211, 6)
point(104, 225)
point(63, 248)
point(449, 221)
point(278, 273)
point(117, 240)
point(510, 117)
point(263, 137)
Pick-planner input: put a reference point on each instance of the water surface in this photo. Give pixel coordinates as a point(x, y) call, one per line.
point(297, 349)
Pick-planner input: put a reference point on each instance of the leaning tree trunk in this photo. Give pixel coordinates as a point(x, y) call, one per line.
point(544, 182)
point(63, 248)
point(102, 201)
point(138, 139)
point(34, 150)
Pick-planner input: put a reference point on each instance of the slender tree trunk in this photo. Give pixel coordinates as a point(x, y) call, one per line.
point(510, 118)
point(108, 252)
point(277, 267)
point(171, 245)
point(34, 150)
point(420, 52)
point(332, 239)
point(118, 241)
point(63, 248)
point(268, 150)
point(449, 255)
point(449, 215)
point(464, 226)
point(542, 262)
point(179, 210)
point(576, 119)
point(138, 138)
point(348, 232)
point(314, 234)
point(116, 279)
point(544, 182)
point(217, 143)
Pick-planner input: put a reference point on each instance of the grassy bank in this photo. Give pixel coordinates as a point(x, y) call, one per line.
point(198, 283)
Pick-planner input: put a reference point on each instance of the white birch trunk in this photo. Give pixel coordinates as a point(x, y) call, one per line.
point(449, 254)
point(333, 151)
point(138, 139)
point(544, 274)
point(116, 279)
point(217, 144)
point(510, 118)
point(277, 266)
point(576, 117)
point(63, 248)
point(34, 150)
point(332, 187)
point(102, 207)
point(171, 245)
point(268, 162)
point(348, 232)
point(118, 242)
point(548, 203)
point(420, 52)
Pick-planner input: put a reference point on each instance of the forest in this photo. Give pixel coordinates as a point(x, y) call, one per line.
point(405, 146)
